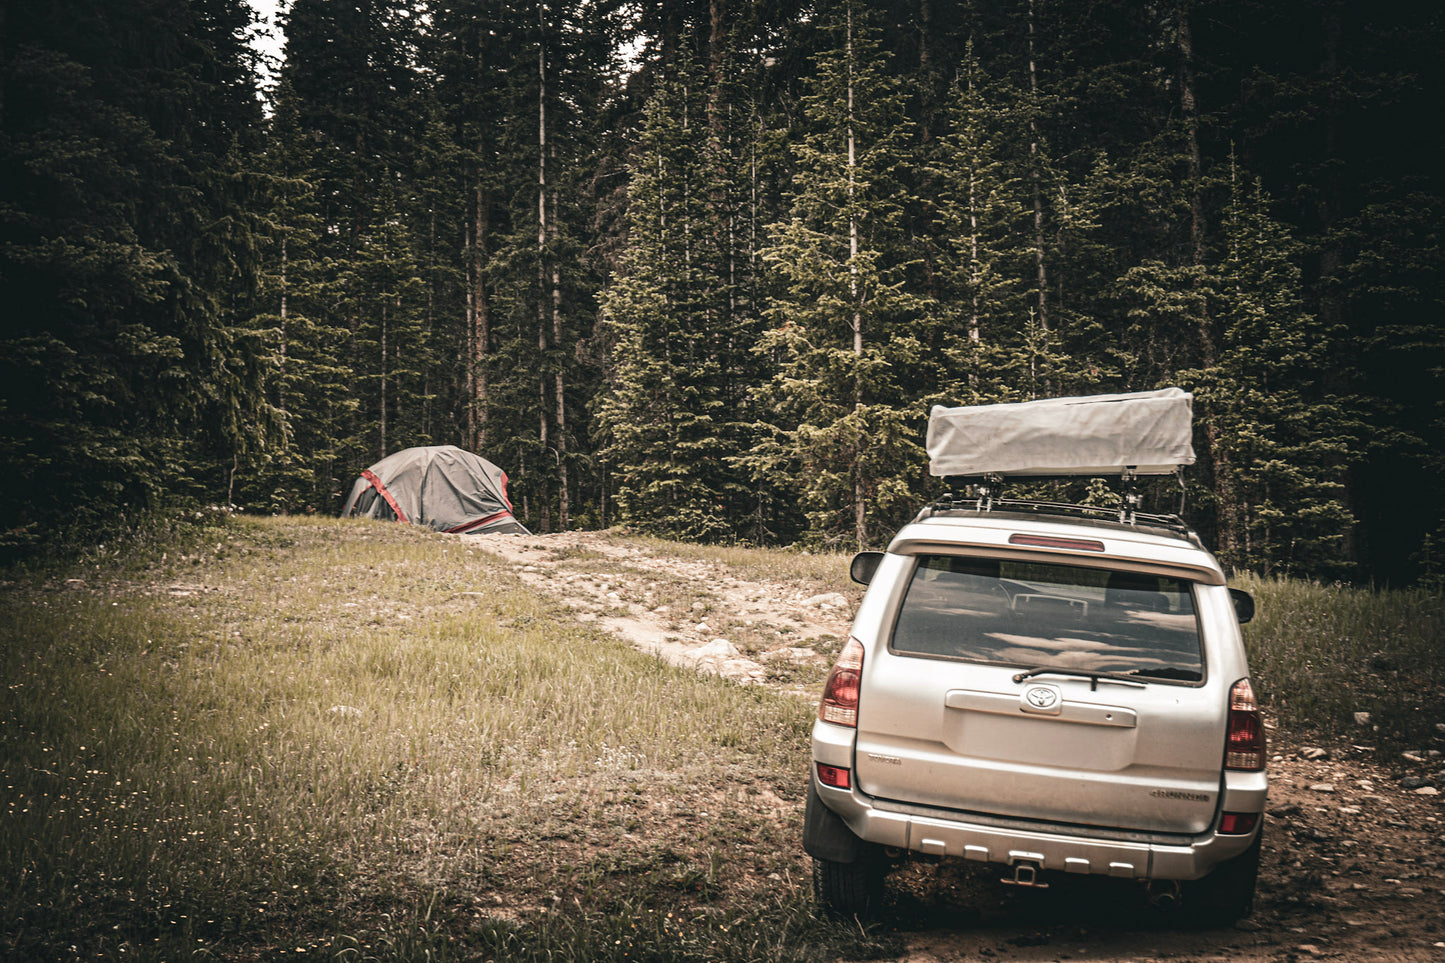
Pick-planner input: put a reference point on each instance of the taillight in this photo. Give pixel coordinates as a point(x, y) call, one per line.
point(833, 776)
point(1238, 824)
point(1244, 743)
point(840, 692)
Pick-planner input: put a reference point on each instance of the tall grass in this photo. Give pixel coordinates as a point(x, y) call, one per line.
point(333, 740)
point(1322, 653)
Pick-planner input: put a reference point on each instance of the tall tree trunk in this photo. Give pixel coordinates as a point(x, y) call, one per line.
point(717, 48)
point(559, 390)
point(1190, 110)
point(1040, 263)
point(1332, 310)
point(544, 437)
point(860, 528)
point(383, 380)
point(1228, 523)
point(281, 359)
point(480, 329)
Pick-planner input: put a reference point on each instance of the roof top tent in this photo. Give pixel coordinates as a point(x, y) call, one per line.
point(1126, 436)
point(442, 487)
point(1141, 433)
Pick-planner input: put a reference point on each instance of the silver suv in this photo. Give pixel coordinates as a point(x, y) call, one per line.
point(1047, 688)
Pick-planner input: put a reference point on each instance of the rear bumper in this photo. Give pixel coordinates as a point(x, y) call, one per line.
point(939, 833)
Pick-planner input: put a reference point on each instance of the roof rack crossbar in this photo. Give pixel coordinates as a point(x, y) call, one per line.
point(984, 493)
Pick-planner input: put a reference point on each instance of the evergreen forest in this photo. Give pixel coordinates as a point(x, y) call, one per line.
point(701, 267)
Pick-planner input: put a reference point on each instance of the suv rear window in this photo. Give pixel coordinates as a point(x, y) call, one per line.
point(1036, 614)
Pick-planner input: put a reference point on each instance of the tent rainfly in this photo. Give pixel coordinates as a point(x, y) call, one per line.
point(443, 487)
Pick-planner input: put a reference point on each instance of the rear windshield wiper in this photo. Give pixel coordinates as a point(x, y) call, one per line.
point(1093, 677)
point(1132, 676)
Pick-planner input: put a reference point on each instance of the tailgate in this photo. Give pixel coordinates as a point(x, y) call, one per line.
point(1144, 759)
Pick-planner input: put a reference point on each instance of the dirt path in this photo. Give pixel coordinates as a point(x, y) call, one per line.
point(1354, 863)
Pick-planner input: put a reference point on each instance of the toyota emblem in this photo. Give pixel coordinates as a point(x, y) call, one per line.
point(1042, 697)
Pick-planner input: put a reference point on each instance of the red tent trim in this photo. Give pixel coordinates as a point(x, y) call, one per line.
point(461, 529)
point(370, 476)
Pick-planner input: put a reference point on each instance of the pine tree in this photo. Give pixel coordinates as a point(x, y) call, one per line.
point(310, 386)
point(981, 216)
point(840, 326)
point(1287, 441)
point(665, 420)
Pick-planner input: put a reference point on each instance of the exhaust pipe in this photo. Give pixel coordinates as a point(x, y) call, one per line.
point(1165, 894)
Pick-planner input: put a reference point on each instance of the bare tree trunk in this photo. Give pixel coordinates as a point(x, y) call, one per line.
point(481, 330)
point(1190, 110)
point(860, 528)
point(544, 438)
point(717, 54)
point(469, 325)
point(383, 380)
point(1227, 517)
point(559, 392)
point(1034, 180)
point(281, 374)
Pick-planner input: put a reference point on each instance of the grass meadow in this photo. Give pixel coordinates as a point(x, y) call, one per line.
point(256, 739)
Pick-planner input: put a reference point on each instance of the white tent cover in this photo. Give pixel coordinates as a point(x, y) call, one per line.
point(1148, 432)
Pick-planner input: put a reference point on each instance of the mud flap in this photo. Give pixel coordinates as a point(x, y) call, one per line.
point(825, 835)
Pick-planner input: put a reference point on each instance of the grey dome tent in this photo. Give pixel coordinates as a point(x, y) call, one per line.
point(442, 487)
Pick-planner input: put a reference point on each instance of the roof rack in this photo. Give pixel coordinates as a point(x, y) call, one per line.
point(985, 496)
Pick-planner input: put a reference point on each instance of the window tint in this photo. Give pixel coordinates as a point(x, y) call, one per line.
point(1034, 614)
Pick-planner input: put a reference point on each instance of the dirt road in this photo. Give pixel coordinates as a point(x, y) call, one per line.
point(1352, 859)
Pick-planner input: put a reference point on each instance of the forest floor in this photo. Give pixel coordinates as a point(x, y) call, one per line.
point(1352, 860)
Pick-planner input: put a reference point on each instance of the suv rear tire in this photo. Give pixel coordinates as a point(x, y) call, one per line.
point(850, 889)
point(1227, 893)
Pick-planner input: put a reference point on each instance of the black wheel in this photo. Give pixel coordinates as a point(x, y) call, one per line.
point(850, 889)
point(1227, 894)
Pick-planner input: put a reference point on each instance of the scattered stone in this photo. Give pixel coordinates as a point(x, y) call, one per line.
point(828, 600)
point(1427, 791)
point(1412, 757)
point(1412, 782)
point(1309, 948)
point(75, 584)
point(1249, 926)
point(1323, 787)
point(720, 657)
point(789, 654)
point(716, 649)
point(702, 628)
point(1315, 755)
point(1349, 810)
point(1362, 718)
